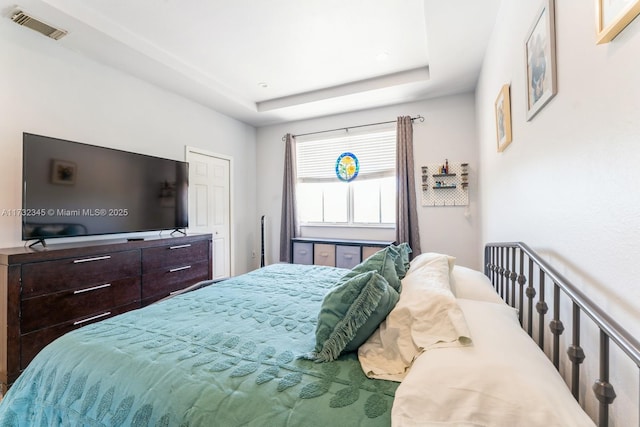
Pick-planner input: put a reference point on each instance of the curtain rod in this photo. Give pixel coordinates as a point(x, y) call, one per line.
point(418, 117)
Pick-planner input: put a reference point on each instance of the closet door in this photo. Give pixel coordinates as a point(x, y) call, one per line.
point(210, 204)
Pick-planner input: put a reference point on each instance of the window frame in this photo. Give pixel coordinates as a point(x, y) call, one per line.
point(350, 193)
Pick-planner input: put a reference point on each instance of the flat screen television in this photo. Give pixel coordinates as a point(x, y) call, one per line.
point(72, 189)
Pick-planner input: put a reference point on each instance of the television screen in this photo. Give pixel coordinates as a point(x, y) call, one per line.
point(74, 189)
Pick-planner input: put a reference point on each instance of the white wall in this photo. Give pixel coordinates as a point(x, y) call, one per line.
point(568, 183)
point(447, 132)
point(49, 90)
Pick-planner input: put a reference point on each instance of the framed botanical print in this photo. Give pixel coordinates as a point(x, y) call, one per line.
point(503, 118)
point(612, 16)
point(540, 50)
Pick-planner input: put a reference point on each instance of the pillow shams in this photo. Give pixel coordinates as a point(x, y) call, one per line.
point(503, 379)
point(428, 257)
point(425, 317)
point(402, 261)
point(350, 313)
point(384, 262)
point(471, 284)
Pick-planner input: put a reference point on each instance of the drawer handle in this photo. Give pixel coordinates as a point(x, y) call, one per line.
point(93, 288)
point(303, 252)
point(98, 258)
point(179, 247)
point(348, 256)
point(173, 270)
point(80, 322)
point(324, 254)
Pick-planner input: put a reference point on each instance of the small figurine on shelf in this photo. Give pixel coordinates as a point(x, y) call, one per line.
point(446, 165)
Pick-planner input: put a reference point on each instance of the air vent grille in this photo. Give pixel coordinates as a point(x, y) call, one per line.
point(21, 18)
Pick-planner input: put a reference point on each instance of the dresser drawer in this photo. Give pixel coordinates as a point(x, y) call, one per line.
point(302, 253)
point(178, 255)
point(347, 256)
point(73, 273)
point(161, 283)
point(51, 309)
point(45, 293)
point(33, 342)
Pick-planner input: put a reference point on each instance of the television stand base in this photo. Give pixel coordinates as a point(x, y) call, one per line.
point(177, 230)
point(41, 241)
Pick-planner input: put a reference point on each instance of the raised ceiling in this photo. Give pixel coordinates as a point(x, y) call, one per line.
point(270, 61)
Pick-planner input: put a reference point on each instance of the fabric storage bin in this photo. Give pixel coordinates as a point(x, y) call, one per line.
point(324, 254)
point(302, 253)
point(347, 256)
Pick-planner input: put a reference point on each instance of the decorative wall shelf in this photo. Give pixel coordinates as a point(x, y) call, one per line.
point(445, 189)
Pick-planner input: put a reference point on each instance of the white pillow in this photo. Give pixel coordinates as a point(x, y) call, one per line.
point(503, 379)
point(472, 284)
point(425, 317)
point(428, 257)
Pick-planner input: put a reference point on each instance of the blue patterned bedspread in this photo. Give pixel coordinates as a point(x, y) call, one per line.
point(225, 355)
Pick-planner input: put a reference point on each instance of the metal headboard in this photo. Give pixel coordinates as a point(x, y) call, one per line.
point(505, 267)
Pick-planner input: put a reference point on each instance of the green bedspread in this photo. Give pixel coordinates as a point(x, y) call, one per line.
point(225, 355)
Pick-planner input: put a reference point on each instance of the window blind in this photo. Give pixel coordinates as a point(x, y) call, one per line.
point(376, 153)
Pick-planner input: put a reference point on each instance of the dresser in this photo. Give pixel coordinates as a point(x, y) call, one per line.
point(334, 252)
point(47, 292)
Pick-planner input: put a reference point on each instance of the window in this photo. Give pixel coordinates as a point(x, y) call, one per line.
point(367, 200)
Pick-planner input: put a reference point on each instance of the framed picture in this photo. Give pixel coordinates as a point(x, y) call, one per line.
point(612, 16)
point(540, 49)
point(503, 118)
point(63, 172)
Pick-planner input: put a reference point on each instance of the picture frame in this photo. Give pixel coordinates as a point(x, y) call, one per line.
point(63, 172)
point(503, 117)
point(612, 16)
point(540, 56)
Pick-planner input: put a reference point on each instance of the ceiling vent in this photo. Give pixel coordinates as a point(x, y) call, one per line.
point(19, 17)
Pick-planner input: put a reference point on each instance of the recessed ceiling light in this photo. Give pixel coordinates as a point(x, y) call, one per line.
point(263, 85)
point(382, 56)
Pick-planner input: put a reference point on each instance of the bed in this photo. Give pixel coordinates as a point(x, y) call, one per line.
point(288, 345)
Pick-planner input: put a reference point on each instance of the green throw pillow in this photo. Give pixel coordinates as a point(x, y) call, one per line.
point(402, 261)
point(384, 262)
point(350, 313)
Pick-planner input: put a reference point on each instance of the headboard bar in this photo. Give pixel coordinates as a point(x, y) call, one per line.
point(617, 333)
point(499, 256)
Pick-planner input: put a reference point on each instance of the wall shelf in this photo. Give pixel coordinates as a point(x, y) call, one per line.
point(445, 189)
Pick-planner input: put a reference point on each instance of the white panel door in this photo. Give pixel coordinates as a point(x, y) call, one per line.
point(209, 205)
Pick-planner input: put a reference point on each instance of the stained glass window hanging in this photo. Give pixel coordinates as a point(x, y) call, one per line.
point(347, 167)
